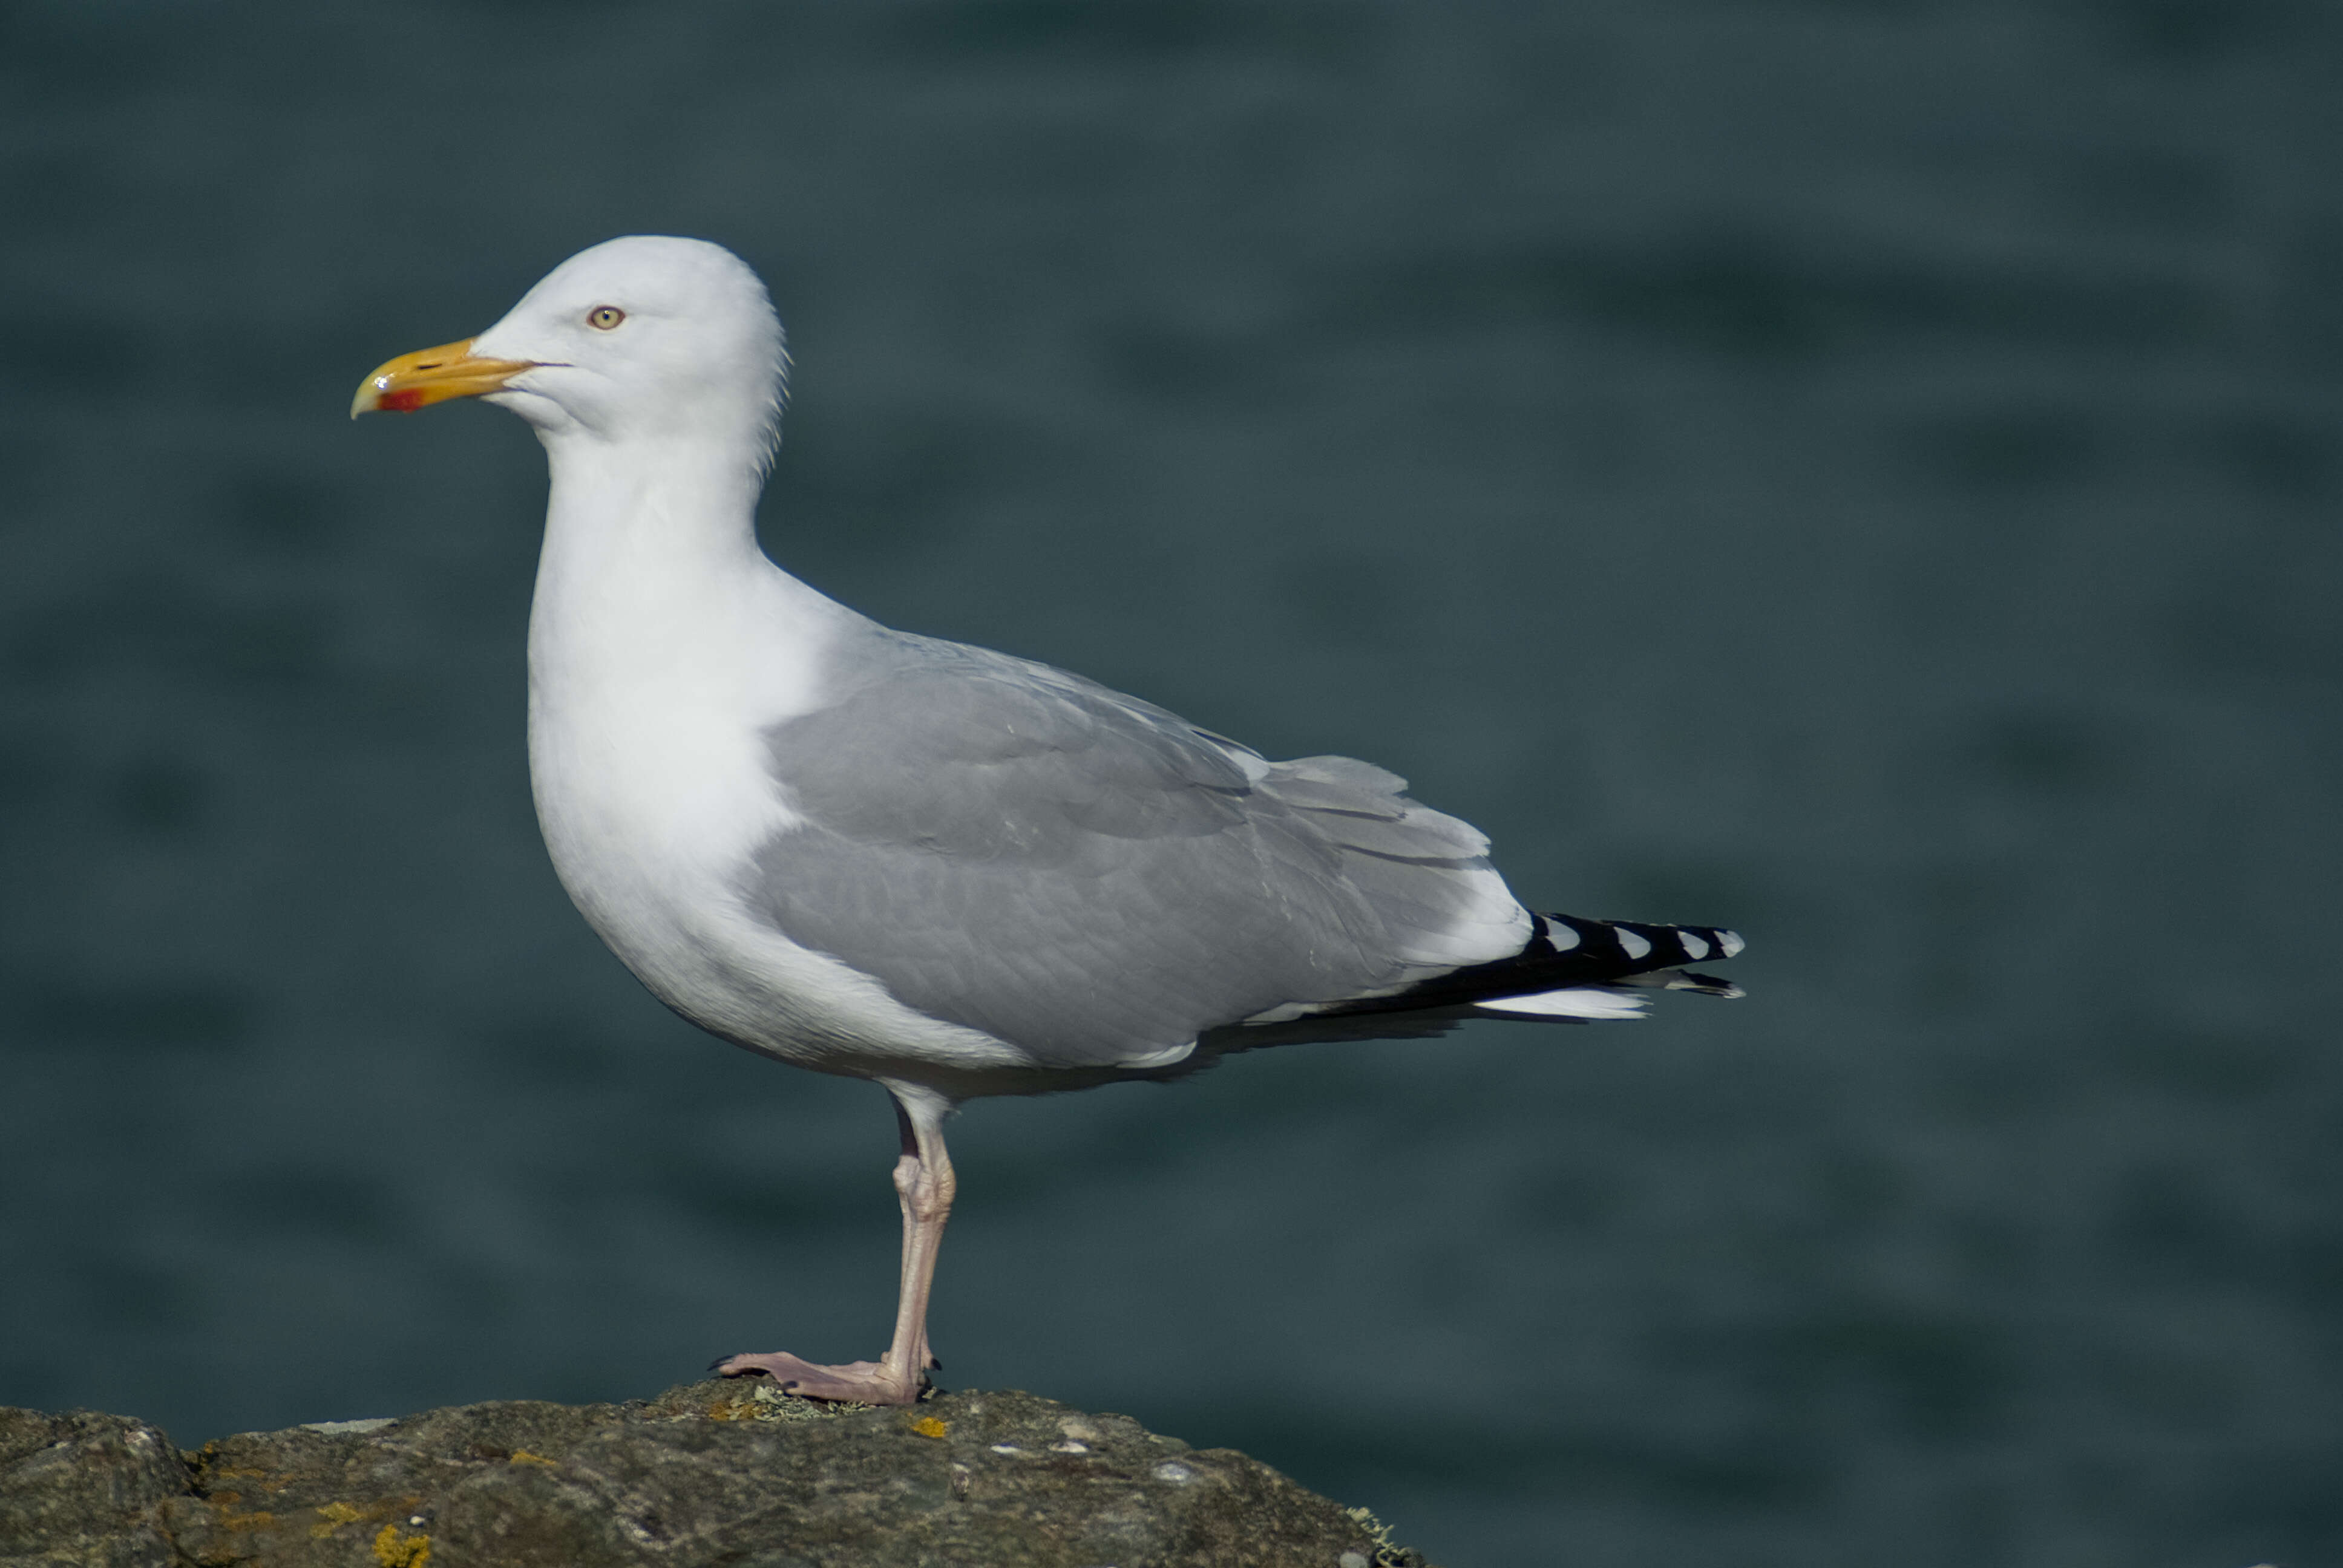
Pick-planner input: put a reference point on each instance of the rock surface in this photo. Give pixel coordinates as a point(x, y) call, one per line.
point(714, 1473)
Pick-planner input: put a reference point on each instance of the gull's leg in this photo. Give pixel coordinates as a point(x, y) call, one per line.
point(924, 1183)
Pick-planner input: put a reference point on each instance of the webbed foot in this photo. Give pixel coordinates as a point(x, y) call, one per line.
point(861, 1383)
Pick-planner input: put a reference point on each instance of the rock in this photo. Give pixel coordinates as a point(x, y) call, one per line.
point(717, 1473)
point(85, 1489)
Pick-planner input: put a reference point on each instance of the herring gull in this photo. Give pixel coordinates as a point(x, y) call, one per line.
point(948, 870)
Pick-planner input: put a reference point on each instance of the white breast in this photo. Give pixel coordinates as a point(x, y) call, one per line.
point(654, 674)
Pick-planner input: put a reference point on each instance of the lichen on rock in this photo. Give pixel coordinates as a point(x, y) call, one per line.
point(715, 1472)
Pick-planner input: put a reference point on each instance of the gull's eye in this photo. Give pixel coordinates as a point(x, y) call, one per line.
point(603, 318)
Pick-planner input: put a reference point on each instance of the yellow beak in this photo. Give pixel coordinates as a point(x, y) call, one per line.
point(430, 376)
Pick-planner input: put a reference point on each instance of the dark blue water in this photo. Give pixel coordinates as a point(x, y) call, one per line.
point(1862, 472)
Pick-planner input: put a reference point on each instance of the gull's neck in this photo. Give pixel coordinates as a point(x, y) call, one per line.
point(662, 646)
point(651, 578)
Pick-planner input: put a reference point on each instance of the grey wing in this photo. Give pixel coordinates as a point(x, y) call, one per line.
point(1016, 849)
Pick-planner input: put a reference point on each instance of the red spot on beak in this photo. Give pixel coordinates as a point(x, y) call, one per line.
point(405, 401)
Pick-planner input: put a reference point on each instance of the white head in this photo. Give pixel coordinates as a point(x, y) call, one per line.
point(644, 339)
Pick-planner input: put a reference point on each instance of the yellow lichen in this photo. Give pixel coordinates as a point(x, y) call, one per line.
point(1388, 1551)
point(258, 1518)
point(929, 1426)
point(523, 1456)
point(394, 1548)
point(335, 1515)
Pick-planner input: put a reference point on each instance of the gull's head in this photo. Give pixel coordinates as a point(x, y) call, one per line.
point(645, 337)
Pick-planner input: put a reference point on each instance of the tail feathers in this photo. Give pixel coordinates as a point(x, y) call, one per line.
point(1602, 1003)
point(1574, 970)
point(1610, 960)
point(1578, 1004)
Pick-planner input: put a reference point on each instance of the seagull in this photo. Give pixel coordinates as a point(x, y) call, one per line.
point(951, 871)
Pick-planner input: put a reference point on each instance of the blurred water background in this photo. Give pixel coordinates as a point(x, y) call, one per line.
point(1861, 471)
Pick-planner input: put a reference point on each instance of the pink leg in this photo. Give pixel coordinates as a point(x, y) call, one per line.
point(924, 1181)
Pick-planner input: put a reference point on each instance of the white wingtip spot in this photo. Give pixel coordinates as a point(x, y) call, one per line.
point(1562, 937)
point(1694, 947)
point(1633, 946)
point(1730, 942)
